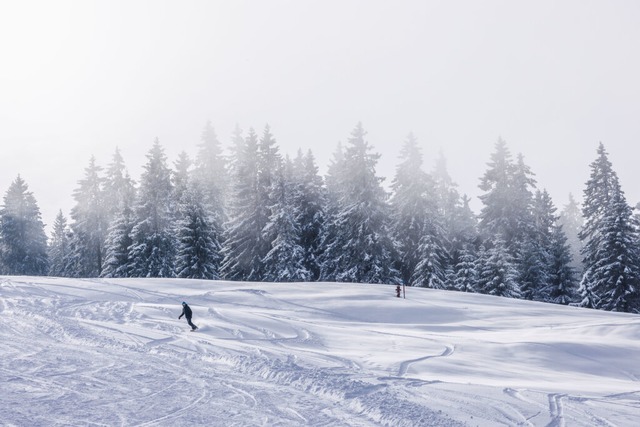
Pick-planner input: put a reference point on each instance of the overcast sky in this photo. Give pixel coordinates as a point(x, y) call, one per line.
point(552, 78)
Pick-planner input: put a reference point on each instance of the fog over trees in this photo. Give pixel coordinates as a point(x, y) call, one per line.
point(251, 213)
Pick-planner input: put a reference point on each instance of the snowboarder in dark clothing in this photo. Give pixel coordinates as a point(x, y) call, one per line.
point(186, 312)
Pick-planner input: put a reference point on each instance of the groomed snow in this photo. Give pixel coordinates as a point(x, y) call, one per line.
point(112, 352)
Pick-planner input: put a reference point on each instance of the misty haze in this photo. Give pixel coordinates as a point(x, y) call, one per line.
point(473, 153)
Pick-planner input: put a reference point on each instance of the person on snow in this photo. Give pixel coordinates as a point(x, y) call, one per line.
point(186, 312)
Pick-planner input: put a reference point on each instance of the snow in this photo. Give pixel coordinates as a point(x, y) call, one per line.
point(113, 352)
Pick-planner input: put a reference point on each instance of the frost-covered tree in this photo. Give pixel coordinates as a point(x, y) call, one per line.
point(309, 197)
point(119, 188)
point(497, 274)
point(254, 169)
point(611, 279)
point(152, 248)
point(211, 174)
point(23, 242)
point(59, 246)
point(534, 257)
point(90, 224)
point(285, 261)
point(180, 180)
point(430, 272)
point(198, 254)
point(465, 273)
point(562, 276)
point(360, 248)
point(507, 201)
point(243, 244)
point(336, 175)
point(572, 222)
point(414, 213)
point(117, 262)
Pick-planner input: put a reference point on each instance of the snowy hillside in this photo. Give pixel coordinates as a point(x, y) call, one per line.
point(112, 352)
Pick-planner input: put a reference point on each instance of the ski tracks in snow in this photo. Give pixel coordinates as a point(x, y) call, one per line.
point(404, 366)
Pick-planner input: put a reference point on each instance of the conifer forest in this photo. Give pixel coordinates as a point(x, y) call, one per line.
point(250, 213)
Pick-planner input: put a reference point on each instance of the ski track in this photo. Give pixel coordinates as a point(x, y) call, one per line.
point(116, 354)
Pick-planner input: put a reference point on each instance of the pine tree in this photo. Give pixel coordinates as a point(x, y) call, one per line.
point(336, 175)
point(152, 249)
point(117, 262)
point(562, 281)
point(361, 249)
point(465, 271)
point(611, 279)
point(309, 198)
point(285, 261)
point(450, 207)
point(23, 242)
point(495, 216)
point(211, 174)
point(430, 271)
point(534, 257)
point(413, 212)
point(497, 274)
point(59, 246)
point(120, 196)
point(198, 253)
point(572, 222)
point(507, 200)
point(242, 248)
point(90, 224)
point(119, 188)
point(180, 182)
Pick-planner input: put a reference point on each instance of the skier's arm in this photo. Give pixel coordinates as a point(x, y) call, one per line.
point(180, 317)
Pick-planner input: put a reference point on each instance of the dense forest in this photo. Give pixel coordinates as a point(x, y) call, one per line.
point(252, 214)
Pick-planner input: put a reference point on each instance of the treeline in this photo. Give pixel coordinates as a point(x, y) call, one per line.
point(252, 214)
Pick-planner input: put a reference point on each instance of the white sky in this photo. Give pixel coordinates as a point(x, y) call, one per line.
point(552, 78)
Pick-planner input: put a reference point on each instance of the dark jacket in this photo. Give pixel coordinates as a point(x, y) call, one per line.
point(186, 312)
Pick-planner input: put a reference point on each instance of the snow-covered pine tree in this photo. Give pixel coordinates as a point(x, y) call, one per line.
point(198, 254)
point(211, 174)
point(90, 224)
point(59, 246)
point(465, 273)
point(430, 272)
point(120, 196)
point(180, 178)
point(361, 249)
point(413, 208)
point(117, 246)
point(615, 274)
point(309, 197)
point(336, 175)
point(448, 203)
point(562, 276)
point(119, 188)
point(611, 279)
point(243, 233)
point(534, 257)
point(497, 275)
point(285, 261)
point(23, 242)
point(507, 200)
point(571, 221)
point(495, 215)
point(152, 249)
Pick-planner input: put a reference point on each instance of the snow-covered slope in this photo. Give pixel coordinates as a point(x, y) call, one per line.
point(112, 352)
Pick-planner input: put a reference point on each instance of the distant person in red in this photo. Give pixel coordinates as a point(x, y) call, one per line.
point(186, 312)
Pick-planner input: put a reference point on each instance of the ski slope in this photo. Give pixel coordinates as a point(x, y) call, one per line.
point(113, 353)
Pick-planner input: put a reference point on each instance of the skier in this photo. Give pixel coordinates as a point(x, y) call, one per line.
point(186, 312)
